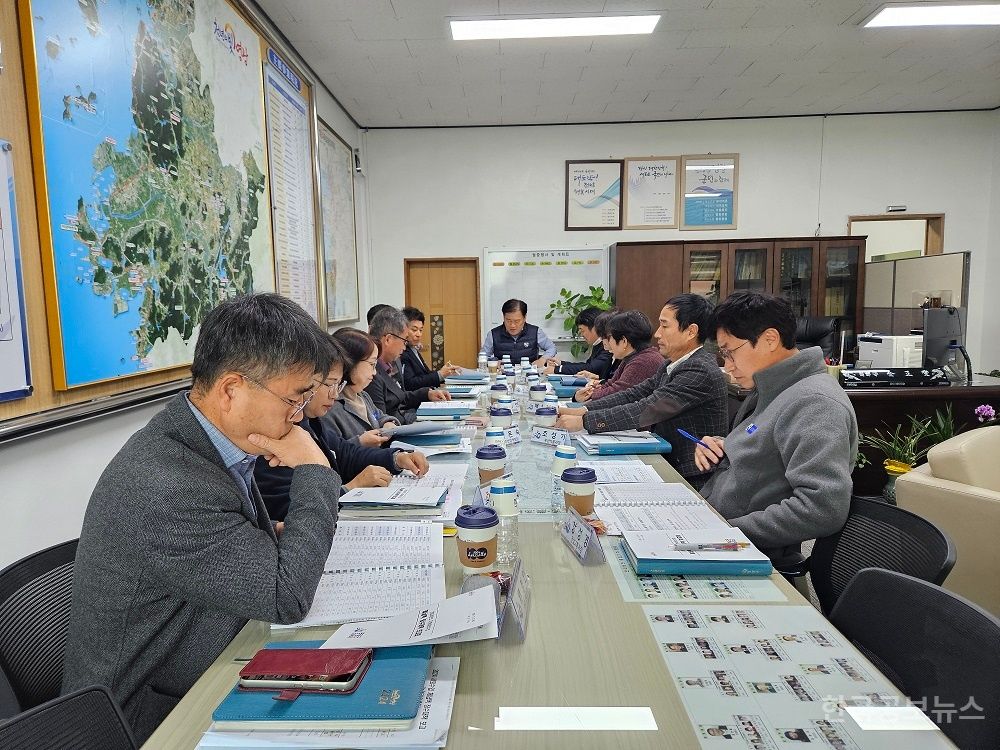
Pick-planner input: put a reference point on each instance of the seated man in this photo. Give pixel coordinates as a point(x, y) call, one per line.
point(177, 551)
point(599, 361)
point(688, 392)
point(783, 474)
point(357, 465)
point(416, 373)
point(386, 390)
point(518, 338)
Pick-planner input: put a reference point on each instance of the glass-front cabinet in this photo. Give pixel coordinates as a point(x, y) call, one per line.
point(706, 270)
point(841, 276)
point(749, 266)
point(795, 274)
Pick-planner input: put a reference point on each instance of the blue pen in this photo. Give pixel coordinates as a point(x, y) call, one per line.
point(693, 439)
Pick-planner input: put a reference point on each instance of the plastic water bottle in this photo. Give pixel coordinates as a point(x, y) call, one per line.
point(481, 360)
point(565, 458)
point(503, 498)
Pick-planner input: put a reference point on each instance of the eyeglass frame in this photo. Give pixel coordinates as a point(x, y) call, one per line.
point(335, 390)
point(727, 354)
point(397, 336)
point(297, 407)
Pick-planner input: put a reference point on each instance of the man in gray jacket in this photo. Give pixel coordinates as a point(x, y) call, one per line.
point(177, 551)
point(783, 474)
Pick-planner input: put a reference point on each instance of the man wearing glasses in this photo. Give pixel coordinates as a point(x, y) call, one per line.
point(357, 465)
point(388, 328)
point(177, 551)
point(783, 474)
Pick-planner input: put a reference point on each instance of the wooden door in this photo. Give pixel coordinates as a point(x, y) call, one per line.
point(447, 291)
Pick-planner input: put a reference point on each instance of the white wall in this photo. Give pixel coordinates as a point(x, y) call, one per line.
point(453, 192)
point(47, 479)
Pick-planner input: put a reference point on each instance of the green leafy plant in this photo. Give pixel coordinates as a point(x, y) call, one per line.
point(570, 304)
point(902, 446)
point(940, 427)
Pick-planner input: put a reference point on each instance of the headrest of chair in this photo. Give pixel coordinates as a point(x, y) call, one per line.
point(969, 458)
point(821, 332)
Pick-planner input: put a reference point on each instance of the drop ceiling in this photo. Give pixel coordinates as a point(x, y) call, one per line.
point(392, 63)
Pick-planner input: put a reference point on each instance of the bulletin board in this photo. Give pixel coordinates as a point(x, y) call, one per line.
point(536, 276)
point(115, 173)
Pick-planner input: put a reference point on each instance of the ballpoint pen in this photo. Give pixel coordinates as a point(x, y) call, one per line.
point(693, 439)
point(713, 547)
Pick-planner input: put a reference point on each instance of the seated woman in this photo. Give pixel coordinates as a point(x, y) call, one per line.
point(353, 415)
point(629, 340)
point(358, 466)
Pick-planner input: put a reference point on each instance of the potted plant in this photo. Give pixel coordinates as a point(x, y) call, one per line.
point(902, 449)
point(570, 304)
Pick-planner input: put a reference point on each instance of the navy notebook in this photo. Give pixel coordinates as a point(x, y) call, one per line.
point(387, 698)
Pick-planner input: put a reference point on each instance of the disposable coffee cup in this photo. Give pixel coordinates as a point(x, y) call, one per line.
point(551, 399)
point(500, 417)
point(545, 416)
point(537, 393)
point(579, 484)
point(493, 365)
point(491, 461)
point(496, 391)
point(477, 538)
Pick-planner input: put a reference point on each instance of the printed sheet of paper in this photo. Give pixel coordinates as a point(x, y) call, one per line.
point(774, 676)
point(646, 493)
point(687, 589)
point(430, 731)
point(468, 611)
point(361, 545)
point(622, 471)
point(659, 518)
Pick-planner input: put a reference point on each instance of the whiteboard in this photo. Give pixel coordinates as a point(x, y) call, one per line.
point(536, 276)
point(15, 379)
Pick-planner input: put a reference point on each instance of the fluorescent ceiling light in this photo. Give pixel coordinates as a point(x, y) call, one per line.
point(536, 28)
point(927, 14)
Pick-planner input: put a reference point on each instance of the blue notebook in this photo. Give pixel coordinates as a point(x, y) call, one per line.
point(387, 698)
point(608, 444)
point(564, 391)
point(472, 377)
point(572, 380)
point(650, 553)
point(456, 410)
point(436, 438)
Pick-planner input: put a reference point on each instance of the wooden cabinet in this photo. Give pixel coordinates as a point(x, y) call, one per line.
point(818, 275)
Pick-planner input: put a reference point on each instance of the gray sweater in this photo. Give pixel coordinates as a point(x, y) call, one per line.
point(786, 475)
point(171, 565)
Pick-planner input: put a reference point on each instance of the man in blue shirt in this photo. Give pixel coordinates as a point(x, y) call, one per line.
point(517, 337)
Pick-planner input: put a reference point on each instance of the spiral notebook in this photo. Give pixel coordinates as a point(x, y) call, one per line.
point(653, 506)
point(377, 569)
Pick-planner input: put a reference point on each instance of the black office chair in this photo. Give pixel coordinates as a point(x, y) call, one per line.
point(878, 535)
point(938, 648)
point(88, 719)
point(823, 332)
point(35, 598)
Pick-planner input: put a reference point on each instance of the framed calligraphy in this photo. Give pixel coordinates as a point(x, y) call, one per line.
point(593, 194)
point(710, 190)
point(650, 197)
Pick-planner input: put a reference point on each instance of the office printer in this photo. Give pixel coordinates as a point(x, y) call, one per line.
point(879, 351)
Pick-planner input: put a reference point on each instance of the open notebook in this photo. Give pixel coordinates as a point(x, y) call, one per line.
point(649, 506)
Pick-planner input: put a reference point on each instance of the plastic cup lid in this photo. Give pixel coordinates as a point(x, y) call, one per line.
point(579, 475)
point(539, 388)
point(476, 517)
point(491, 453)
point(545, 411)
point(498, 412)
point(498, 387)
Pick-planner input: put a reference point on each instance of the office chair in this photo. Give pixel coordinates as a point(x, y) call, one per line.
point(823, 332)
point(88, 719)
point(878, 535)
point(938, 648)
point(35, 598)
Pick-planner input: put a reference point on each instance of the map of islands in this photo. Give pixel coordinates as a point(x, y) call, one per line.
point(153, 132)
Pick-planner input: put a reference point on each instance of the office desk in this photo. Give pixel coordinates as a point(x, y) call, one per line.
point(585, 647)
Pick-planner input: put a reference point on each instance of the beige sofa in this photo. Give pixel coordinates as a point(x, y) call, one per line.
point(959, 490)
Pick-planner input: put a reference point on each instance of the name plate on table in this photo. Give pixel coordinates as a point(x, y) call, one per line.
point(521, 389)
point(550, 436)
point(512, 434)
point(581, 537)
point(518, 603)
point(531, 406)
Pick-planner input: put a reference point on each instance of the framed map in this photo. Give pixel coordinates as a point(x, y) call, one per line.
point(151, 176)
point(340, 251)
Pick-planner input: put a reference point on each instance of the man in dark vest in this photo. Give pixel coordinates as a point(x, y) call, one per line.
point(518, 338)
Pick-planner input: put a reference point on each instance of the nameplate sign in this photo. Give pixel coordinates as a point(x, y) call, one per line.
point(518, 604)
point(521, 389)
point(581, 537)
point(550, 436)
point(512, 434)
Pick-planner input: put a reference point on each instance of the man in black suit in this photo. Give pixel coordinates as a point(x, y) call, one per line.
point(599, 361)
point(415, 372)
point(388, 328)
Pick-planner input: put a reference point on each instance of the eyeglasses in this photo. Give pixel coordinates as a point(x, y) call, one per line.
point(397, 336)
point(373, 362)
point(728, 353)
point(335, 388)
point(297, 406)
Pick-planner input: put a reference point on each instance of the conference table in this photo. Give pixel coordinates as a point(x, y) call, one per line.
point(585, 646)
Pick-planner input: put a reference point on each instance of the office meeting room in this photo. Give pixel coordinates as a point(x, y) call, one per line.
point(499, 374)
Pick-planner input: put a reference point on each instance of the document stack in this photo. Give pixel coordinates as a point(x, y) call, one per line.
point(622, 443)
point(720, 552)
point(444, 411)
point(436, 496)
